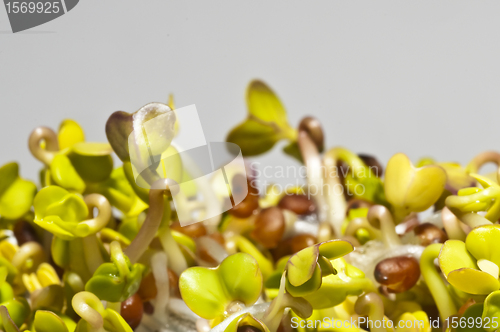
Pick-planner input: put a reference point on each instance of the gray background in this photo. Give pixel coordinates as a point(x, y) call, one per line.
point(383, 76)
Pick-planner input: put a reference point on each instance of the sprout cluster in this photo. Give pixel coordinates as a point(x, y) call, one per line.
point(87, 249)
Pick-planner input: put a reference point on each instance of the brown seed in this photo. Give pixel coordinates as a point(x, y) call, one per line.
point(269, 227)
point(248, 328)
point(148, 308)
point(302, 241)
point(250, 203)
point(372, 163)
point(428, 234)
point(298, 204)
point(282, 249)
point(313, 128)
point(147, 290)
point(132, 310)
point(398, 274)
point(24, 232)
point(194, 230)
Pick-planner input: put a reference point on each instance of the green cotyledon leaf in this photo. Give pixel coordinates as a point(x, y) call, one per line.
point(64, 214)
point(118, 280)
point(491, 312)
point(475, 312)
point(253, 137)
point(411, 189)
point(484, 243)
point(48, 321)
point(65, 175)
point(334, 289)
point(16, 194)
point(472, 267)
point(115, 322)
point(6, 321)
point(302, 268)
point(209, 291)
point(56, 201)
point(92, 161)
point(266, 123)
point(69, 134)
point(18, 310)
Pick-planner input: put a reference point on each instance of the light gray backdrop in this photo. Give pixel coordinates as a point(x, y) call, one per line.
point(383, 76)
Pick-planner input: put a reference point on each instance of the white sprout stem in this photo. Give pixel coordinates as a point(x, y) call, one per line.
point(159, 269)
point(312, 161)
point(452, 225)
point(337, 205)
point(213, 248)
point(380, 216)
point(176, 259)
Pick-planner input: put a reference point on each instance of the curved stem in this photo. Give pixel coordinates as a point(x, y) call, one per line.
point(91, 246)
point(371, 305)
point(362, 223)
point(481, 159)
point(313, 129)
point(380, 217)
point(29, 250)
point(51, 144)
point(435, 283)
point(312, 161)
point(356, 164)
point(336, 202)
point(118, 258)
point(84, 304)
point(104, 212)
point(150, 226)
point(452, 225)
